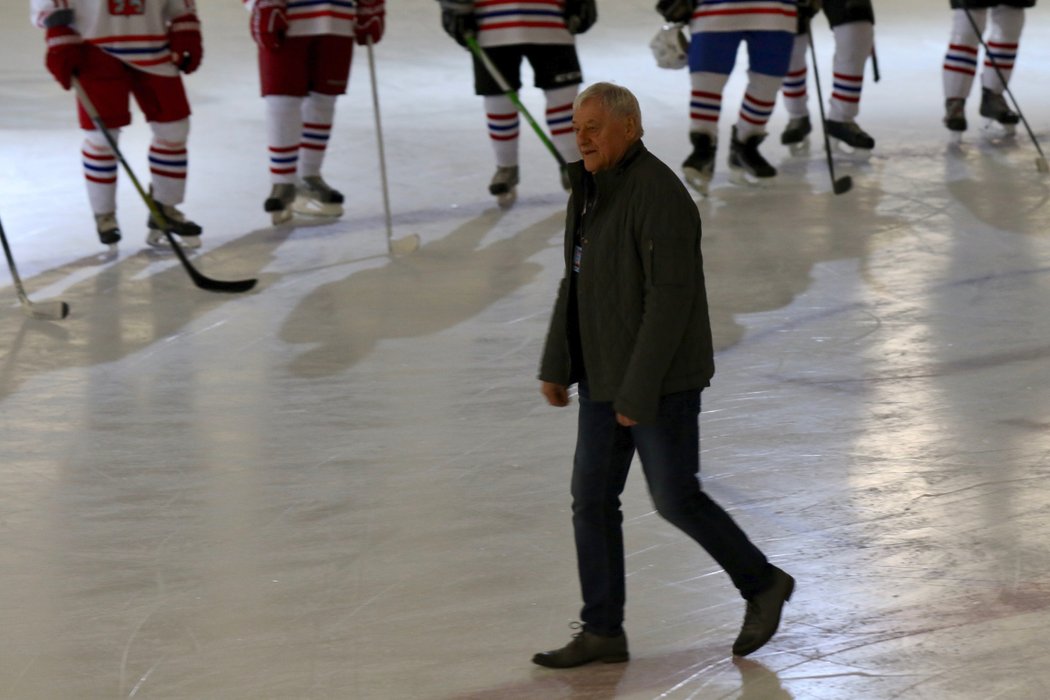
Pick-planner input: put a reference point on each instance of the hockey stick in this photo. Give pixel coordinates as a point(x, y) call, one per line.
point(875, 65)
point(408, 244)
point(844, 183)
point(212, 285)
point(1040, 162)
point(44, 310)
point(476, 49)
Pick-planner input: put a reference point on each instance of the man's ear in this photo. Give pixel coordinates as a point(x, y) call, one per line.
point(631, 127)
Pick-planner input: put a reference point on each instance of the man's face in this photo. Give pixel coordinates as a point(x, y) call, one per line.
point(601, 137)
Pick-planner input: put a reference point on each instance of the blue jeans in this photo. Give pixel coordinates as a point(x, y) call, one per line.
point(670, 454)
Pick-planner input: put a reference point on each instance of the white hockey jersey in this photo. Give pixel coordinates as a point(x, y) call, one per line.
point(745, 15)
point(510, 22)
point(316, 17)
point(135, 31)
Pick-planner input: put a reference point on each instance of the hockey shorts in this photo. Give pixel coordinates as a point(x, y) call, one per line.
point(846, 11)
point(306, 64)
point(984, 4)
point(109, 82)
point(553, 65)
point(768, 53)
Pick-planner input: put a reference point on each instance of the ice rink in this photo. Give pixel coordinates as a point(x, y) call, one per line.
point(346, 485)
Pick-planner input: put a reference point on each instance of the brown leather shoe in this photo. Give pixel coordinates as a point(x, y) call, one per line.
point(763, 614)
point(584, 648)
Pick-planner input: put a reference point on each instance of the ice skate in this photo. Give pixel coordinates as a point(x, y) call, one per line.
point(315, 198)
point(997, 113)
point(850, 138)
point(699, 167)
point(746, 164)
point(279, 203)
point(955, 117)
point(176, 223)
point(796, 134)
point(108, 230)
point(504, 185)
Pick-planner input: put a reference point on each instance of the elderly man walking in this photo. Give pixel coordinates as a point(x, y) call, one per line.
point(631, 327)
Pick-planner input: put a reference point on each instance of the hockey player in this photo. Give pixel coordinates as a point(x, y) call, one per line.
point(718, 27)
point(853, 25)
point(508, 31)
point(117, 48)
point(305, 49)
point(960, 63)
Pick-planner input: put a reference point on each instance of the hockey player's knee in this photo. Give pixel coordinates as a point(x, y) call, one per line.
point(171, 134)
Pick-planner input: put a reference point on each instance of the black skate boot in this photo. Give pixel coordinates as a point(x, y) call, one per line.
point(108, 230)
point(176, 223)
point(850, 134)
point(279, 203)
point(955, 114)
point(316, 198)
point(795, 132)
point(504, 185)
point(745, 160)
point(995, 109)
point(699, 167)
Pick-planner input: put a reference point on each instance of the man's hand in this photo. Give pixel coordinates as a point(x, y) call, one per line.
point(371, 21)
point(625, 421)
point(64, 54)
point(556, 394)
point(184, 38)
point(269, 24)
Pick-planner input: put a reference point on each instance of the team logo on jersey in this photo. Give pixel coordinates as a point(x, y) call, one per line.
point(127, 7)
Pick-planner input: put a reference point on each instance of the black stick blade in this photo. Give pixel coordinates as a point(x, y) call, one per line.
point(202, 280)
point(842, 185)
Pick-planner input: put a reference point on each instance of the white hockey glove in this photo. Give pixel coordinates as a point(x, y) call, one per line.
point(670, 47)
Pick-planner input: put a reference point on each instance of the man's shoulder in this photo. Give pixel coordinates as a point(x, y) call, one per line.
point(651, 173)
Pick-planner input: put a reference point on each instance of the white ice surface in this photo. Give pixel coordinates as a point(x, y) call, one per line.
point(345, 485)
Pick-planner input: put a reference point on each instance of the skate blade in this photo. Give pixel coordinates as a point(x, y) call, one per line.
point(844, 149)
point(740, 176)
point(158, 240)
point(991, 129)
point(281, 216)
point(311, 207)
point(698, 180)
point(799, 147)
point(505, 200)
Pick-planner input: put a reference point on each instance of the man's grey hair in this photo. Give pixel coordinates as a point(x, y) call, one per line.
point(619, 101)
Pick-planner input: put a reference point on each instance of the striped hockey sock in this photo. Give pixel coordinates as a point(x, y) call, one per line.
point(318, 116)
point(503, 124)
point(705, 102)
point(100, 171)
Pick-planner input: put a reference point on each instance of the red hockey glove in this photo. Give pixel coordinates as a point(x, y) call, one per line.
point(64, 51)
point(269, 24)
point(184, 39)
point(371, 16)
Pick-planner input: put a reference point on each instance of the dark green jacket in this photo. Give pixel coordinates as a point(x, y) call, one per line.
point(644, 328)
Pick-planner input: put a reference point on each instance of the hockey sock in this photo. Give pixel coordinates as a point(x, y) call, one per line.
point(318, 115)
point(1003, 39)
point(503, 125)
point(853, 42)
point(794, 86)
point(960, 63)
point(758, 104)
point(284, 128)
point(705, 103)
point(168, 160)
point(100, 171)
point(559, 121)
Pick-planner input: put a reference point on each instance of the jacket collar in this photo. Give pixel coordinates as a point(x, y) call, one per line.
point(578, 175)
